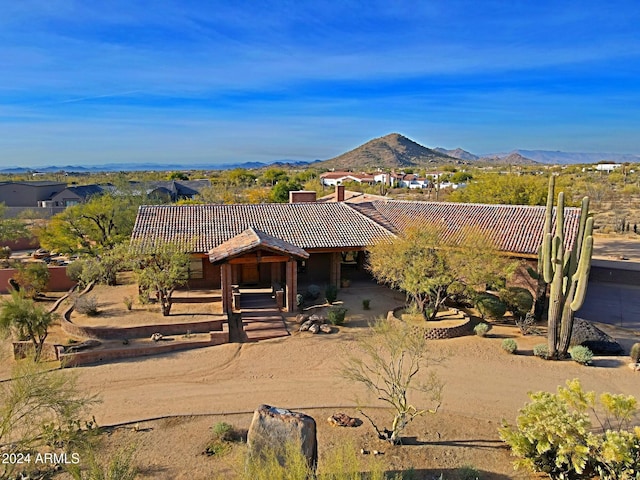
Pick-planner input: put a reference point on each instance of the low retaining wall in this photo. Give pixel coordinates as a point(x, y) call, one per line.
point(24, 349)
point(438, 333)
point(95, 356)
point(143, 331)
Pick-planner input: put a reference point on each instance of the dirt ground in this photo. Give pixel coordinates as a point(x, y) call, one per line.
point(173, 400)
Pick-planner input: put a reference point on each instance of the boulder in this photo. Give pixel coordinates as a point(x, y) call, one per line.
point(305, 326)
point(156, 337)
point(301, 318)
point(343, 420)
point(326, 328)
point(315, 328)
point(315, 318)
point(586, 334)
point(272, 429)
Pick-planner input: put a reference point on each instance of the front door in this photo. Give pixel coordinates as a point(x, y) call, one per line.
point(250, 274)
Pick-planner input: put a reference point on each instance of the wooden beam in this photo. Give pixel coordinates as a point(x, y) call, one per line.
point(267, 259)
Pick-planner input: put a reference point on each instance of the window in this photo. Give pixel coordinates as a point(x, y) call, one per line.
point(196, 270)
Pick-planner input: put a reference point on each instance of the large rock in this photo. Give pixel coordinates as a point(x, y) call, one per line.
point(273, 428)
point(590, 336)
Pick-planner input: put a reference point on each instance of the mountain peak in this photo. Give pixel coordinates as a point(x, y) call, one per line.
point(391, 151)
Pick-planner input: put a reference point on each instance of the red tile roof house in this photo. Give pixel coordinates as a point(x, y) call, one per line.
point(267, 244)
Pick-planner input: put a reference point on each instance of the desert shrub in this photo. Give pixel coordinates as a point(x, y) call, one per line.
point(313, 292)
point(223, 434)
point(554, 435)
point(509, 345)
point(541, 350)
point(490, 306)
point(331, 293)
point(120, 466)
point(635, 353)
point(481, 329)
point(86, 305)
point(286, 463)
point(299, 301)
point(128, 302)
point(581, 354)
point(5, 253)
point(336, 315)
point(518, 300)
point(468, 472)
point(365, 304)
point(33, 278)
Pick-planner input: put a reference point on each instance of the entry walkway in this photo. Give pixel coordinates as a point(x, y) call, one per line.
point(261, 319)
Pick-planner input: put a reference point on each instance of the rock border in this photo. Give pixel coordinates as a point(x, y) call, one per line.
point(438, 333)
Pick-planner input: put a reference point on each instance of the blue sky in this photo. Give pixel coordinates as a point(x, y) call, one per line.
point(189, 82)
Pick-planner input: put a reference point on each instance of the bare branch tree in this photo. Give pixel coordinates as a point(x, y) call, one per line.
point(388, 363)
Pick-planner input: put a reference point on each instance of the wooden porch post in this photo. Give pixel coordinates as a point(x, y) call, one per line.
point(292, 285)
point(225, 286)
point(334, 269)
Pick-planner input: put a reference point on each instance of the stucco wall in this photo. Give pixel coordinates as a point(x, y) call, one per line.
point(58, 280)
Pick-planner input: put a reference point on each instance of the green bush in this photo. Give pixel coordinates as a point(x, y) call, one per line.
point(541, 350)
point(468, 472)
point(223, 434)
point(509, 345)
point(581, 355)
point(518, 300)
point(635, 353)
point(331, 293)
point(481, 329)
point(490, 306)
point(554, 435)
point(365, 304)
point(336, 315)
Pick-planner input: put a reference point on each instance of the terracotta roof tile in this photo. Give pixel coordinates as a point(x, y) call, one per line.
point(305, 225)
point(252, 239)
point(514, 228)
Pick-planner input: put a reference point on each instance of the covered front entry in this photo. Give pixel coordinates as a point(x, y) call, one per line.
point(254, 258)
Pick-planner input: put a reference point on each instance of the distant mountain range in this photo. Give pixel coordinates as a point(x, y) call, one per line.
point(393, 151)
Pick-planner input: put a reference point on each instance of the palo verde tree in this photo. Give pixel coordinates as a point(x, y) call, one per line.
point(11, 228)
point(160, 269)
point(390, 363)
point(26, 320)
point(430, 266)
point(41, 411)
point(91, 227)
point(567, 271)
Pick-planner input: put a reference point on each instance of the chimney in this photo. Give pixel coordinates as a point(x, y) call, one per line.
point(301, 196)
point(339, 193)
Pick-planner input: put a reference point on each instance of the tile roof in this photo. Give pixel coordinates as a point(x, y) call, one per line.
point(513, 228)
point(252, 239)
point(305, 225)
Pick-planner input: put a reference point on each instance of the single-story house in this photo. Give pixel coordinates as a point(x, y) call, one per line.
point(311, 242)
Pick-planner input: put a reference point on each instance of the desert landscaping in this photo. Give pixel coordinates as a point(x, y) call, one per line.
point(165, 405)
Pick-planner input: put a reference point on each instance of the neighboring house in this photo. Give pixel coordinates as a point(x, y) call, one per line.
point(608, 167)
point(76, 194)
point(331, 179)
point(267, 244)
point(171, 190)
point(28, 194)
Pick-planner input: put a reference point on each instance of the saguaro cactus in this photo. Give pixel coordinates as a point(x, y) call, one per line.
point(567, 271)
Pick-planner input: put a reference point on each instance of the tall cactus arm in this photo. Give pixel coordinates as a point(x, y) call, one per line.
point(584, 216)
point(560, 217)
point(582, 274)
point(547, 258)
point(548, 218)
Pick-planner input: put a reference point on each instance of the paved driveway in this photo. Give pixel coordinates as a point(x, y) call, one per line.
point(612, 303)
